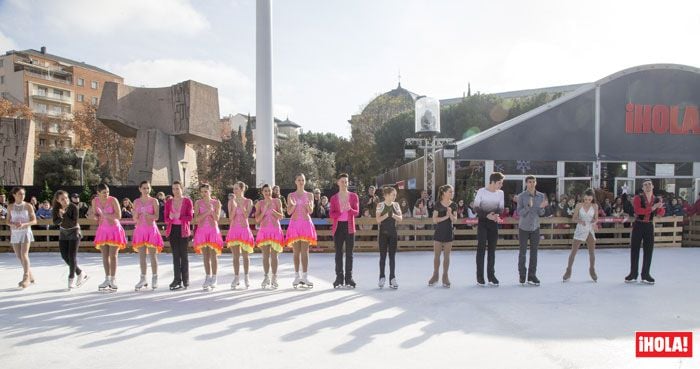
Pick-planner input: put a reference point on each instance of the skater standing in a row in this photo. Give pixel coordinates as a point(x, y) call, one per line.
point(388, 213)
point(207, 236)
point(586, 217)
point(345, 206)
point(444, 216)
point(21, 218)
point(178, 215)
point(65, 215)
point(646, 206)
point(147, 238)
point(270, 238)
point(110, 236)
point(239, 238)
point(531, 206)
point(488, 204)
point(301, 232)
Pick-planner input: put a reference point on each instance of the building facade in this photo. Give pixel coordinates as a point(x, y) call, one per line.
point(639, 123)
point(54, 88)
point(284, 129)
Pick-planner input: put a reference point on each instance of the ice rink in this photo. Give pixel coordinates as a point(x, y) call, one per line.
point(579, 324)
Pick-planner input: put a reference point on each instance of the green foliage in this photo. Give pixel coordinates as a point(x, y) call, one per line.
point(390, 139)
point(60, 168)
point(86, 194)
point(295, 157)
point(226, 164)
point(46, 193)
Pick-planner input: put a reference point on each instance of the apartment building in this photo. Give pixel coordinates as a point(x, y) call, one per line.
point(54, 88)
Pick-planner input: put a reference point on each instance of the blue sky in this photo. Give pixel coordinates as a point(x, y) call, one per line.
point(331, 57)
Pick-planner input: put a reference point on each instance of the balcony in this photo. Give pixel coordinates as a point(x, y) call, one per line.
point(49, 77)
point(43, 95)
point(38, 64)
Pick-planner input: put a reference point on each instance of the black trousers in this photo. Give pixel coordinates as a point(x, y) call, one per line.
point(642, 234)
point(487, 233)
point(181, 265)
point(534, 238)
point(387, 242)
point(340, 237)
point(69, 253)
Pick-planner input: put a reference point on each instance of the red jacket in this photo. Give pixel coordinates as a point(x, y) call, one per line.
point(693, 209)
point(352, 213)
point(643, 214)
point(185, 216)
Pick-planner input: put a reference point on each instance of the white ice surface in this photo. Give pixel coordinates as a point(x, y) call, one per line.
point(579, 324)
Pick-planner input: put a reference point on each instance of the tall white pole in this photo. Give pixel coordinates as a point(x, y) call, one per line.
point(265, 130)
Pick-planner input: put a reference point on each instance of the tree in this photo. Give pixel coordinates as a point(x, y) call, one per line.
point(111, 148)
point(62, 168)
point(326, 142)
point(10, 110)
point(390, 139)
point(46, 193)
point(295, 157)
point(247, 156)
point(226, 158)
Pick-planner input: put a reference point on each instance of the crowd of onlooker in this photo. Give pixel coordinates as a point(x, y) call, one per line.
point(422, 208)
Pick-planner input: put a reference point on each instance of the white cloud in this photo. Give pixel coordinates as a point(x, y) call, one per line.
point(236, 90)
point(124, 16)
point(6, 43)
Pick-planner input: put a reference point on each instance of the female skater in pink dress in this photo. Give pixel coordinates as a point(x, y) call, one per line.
point(110, 236)
point(207, 236)
point(301, 232)
point(147, 238)
point(240, 238)
point(270, 238)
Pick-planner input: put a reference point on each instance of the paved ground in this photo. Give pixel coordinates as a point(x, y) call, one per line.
point(579, 324)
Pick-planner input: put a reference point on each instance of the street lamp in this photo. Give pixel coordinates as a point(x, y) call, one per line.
point(81, 154)
point(184, 163)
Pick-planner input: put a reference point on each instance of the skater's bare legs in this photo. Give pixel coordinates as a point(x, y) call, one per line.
point(437, 250)
point(236, 256)
point(296, 248)
point(142, 258)
point(274, 262)
point(154, 261)
point(22, 253)
point(591, 257)
point(574, 249)
point(214, 260)
point(266, 258)
point(104, 250)
point(447, 250)
point(301, 256)
point(305, 257)
point(207, 265)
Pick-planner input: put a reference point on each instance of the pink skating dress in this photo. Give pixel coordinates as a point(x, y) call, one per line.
point(146, 232)
point(301, 228)
point(270, 231)
point(207, 233)
point(239, 234)
point(109, 232)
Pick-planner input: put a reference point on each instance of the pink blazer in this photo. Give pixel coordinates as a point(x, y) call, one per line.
point(185, 216)
point(352, 213)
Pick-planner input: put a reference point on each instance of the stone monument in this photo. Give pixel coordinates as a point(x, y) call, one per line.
point(17, 142)
point(165, 122)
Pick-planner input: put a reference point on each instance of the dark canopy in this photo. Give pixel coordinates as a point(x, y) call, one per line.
point(565, 128)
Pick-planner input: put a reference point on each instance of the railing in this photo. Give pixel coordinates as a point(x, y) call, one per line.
point(50, 96)
point(691, 232)
point(556, 233)
point(48, 77)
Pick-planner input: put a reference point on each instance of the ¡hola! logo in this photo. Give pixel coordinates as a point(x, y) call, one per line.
point(664, 344)
point(662, 119)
